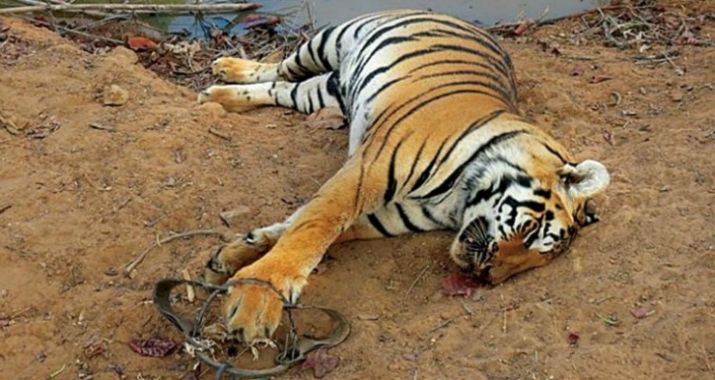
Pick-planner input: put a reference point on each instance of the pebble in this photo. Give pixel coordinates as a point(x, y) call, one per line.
point(115, 96)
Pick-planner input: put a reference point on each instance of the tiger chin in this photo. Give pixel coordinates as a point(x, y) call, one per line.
point(436, 142)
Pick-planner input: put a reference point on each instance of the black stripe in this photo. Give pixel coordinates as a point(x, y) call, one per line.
point(479, 53)
point(378, 225)
point(427, 214)
point(359, 28)
point(554, 152)
point(504, 183)
point(510, 164)
point(321, 102)
point(385, 43)
point(321, 48)
point(294, 95)
point(293, 74)
point(426, 173)
point(379, 119)
point(545, 193)
point(415, 162)
point(391, 181)
point(313, 58)
point(496, 86)
point(406, 219)
point(472, 127)
point(514, 204)
point(384, 87)
point(449, 181)
point(299, 64)
point(488, 43)
point(358, 188)
point(384, 28)
point(380, 70)
point(423, 104)
point(509, 78)
point(310, 103)
point(333, 88)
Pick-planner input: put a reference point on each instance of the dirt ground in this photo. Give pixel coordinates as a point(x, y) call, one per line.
point(84, 201)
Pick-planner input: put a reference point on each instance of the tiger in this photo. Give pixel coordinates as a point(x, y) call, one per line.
point(436, 142)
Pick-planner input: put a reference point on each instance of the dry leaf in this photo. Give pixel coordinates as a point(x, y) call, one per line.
point(156, 347)
point(320, 362)
point(457, 284)
point(573, 339)
point(522, 28)
point(257, 21)
point(95, 346)
point(141, 43)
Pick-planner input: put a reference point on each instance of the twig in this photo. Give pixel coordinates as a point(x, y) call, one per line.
point(219, 134)
point(136, 8)
point(44, 4)
point(102, 127)
point(8, 125)
point(130, 266)
point(58, 372)
point(190, 294)
point(418, 278)
point(72, 31)
point(502, 28)
point(441, 325)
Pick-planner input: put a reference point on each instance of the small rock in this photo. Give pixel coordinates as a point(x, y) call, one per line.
point(676, 96)
point(40, 357)
point(476, 297)
point(115, 96)
point(213, 109)
point(3, 293)
point(641, 312)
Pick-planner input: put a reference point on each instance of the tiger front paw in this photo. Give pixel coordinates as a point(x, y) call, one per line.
point(253, 310)
point(227, 259)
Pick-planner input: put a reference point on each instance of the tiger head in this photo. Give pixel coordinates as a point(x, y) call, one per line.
point(520, 222)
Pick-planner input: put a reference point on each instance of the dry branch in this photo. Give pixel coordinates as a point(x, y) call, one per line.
point(130, 266)
point(43, 4)
point(135, 8)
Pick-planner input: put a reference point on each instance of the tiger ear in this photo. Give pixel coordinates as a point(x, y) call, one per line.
point(585, 179)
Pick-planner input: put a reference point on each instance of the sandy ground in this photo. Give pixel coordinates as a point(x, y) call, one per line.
point(84, 201)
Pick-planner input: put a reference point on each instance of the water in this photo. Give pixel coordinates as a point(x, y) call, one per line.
point(329, 12)
point(293, 13)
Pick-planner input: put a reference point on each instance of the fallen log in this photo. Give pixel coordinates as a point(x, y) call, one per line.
point(134, 8)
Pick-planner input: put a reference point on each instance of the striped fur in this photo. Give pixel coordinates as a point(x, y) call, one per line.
point(436, 142)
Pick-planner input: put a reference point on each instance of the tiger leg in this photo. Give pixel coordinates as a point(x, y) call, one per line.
point(315, 57)
point(227, 259)
point(254, 311)
point(307, 96)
